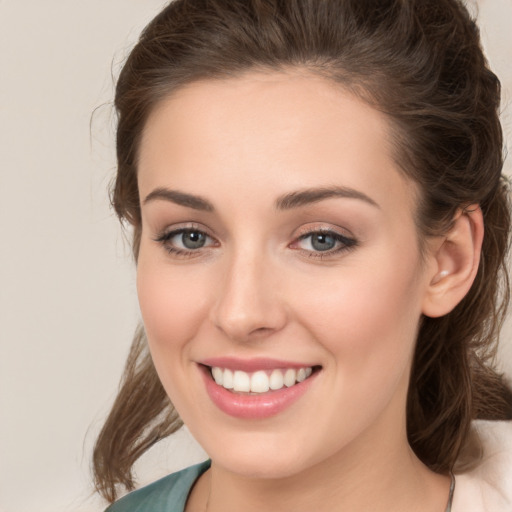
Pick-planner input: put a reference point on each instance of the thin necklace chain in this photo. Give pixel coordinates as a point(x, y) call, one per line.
point(450, 496)
point(210, 491)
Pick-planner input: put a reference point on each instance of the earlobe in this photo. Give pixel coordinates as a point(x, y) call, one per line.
point(455, 261)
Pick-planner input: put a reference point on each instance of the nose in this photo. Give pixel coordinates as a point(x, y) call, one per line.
point(248, 304)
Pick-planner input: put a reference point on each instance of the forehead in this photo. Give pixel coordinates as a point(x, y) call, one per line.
point(269, 132)
point(258, 103)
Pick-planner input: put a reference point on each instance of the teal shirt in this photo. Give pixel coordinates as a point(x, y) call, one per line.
point(166, 495)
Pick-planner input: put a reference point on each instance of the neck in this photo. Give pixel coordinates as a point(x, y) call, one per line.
point(390, 477)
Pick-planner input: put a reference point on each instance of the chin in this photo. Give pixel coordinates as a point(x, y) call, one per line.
point(261, 455)
point(260, 464)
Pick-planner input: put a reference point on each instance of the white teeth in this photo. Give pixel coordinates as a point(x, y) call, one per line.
point(261, 381)
point(217, 374)
point(227, 379)
point(290, 377)
point(241, 381)
point(276, 380)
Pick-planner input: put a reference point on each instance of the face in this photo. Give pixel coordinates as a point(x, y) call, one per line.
point(278, 253)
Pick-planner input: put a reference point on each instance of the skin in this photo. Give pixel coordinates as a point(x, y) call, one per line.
point(257, 289)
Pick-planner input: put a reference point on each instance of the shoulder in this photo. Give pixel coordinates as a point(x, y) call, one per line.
point(168, 494)
point(487, 487)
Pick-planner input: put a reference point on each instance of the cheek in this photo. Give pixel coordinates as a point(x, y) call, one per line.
point(367, 320)
point(170, 305)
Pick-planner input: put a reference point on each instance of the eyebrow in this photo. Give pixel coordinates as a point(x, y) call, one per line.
point(181, 198)
point(313, 195)
point(285, 202)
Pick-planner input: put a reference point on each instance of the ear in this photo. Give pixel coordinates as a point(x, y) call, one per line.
point(454, 260)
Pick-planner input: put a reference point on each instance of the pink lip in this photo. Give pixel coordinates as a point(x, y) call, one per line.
point(251, 365)
point(254, 406)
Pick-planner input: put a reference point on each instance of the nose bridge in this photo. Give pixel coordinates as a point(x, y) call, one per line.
point(246, 301)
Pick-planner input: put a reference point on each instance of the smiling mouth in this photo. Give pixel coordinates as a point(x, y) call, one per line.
point(261, 381)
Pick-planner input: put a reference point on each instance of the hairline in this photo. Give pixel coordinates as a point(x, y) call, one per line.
point(358, 86)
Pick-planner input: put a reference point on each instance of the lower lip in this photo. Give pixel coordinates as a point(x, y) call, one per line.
point(253, 407)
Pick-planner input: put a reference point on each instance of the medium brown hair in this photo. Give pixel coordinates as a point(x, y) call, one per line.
point(418, 61)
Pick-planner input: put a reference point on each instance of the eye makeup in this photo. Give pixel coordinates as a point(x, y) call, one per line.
point(191, 241)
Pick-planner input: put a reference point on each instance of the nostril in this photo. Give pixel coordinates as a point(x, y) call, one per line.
point(260, 331)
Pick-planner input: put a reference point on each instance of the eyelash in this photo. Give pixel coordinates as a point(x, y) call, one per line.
point(345, 243)
point(165, 237)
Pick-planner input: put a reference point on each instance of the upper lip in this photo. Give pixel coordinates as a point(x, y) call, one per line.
point(252, 365)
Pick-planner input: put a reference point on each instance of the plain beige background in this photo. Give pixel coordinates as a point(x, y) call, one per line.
point(67, 294)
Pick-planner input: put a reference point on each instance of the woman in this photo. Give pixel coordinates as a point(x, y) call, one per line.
point(308, 184)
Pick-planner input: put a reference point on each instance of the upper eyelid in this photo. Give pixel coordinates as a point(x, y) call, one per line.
point(324, 231)
point(338, 230)
point(337, 236)
point(304, 232)
point(164, 240)
point(167, 235)
point(176, 229)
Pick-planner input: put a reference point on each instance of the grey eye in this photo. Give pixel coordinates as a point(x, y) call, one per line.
point(192, 239)
point(322, 241)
